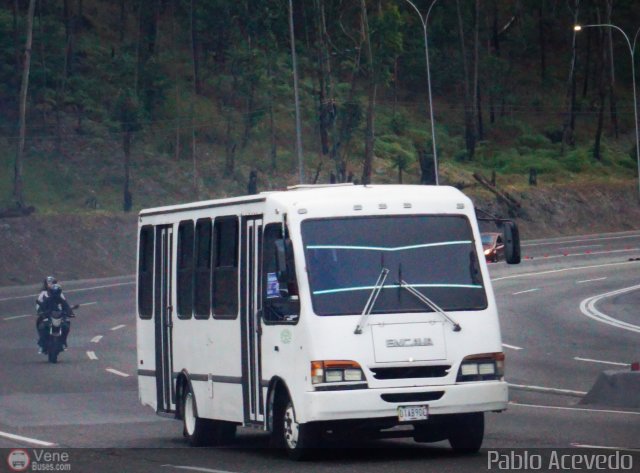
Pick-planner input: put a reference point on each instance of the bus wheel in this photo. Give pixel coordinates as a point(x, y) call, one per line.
point(466, 432)
point(297, 438)
point(195, 429)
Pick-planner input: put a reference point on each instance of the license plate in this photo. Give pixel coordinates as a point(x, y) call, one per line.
point(410, 413)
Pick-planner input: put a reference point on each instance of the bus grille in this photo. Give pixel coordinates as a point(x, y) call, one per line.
point(437, 371)
point(412, 397)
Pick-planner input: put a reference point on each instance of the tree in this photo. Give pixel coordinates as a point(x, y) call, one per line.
point(568, 126)
point(18, 185)
point(128, 115)
point(469, 128)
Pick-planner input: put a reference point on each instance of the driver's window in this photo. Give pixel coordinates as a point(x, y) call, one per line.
point(280, 299)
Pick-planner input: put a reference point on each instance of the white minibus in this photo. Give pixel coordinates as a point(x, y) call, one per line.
point(321, 312)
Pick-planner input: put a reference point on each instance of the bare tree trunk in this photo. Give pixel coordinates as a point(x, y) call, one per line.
point(587, 63)
point(126, 146)
point(18, 185)
point(612, 74)
point(369, 140)
point(178, 107)
point(123, 20)
point(542, 40)
point(194, 48)
point(272, 125)
point(43, 63)
point(230, 149)
point(470, 138)
point(568, 125)
point(602, 93)
point(16, 37)
point(476, 65)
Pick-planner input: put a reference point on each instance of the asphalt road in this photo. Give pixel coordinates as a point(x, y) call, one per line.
point(554, 336)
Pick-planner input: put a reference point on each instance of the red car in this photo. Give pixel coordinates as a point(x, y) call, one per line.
point(493, 246)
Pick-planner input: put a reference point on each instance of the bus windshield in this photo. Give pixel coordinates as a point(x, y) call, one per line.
point(434, 254)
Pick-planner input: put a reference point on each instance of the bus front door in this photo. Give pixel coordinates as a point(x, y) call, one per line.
point(163, 319)
point(250, 292)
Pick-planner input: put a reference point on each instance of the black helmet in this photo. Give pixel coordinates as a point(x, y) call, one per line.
point(56, 290)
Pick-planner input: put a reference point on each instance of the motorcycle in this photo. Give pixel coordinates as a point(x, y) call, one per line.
point(55, 323)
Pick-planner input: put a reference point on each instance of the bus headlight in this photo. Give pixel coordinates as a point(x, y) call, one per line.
point(484, 367)
point(335, 371)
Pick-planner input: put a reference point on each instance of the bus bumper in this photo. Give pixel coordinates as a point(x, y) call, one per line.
point(483, 396)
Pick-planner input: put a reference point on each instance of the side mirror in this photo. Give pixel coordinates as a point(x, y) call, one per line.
point(511, 234)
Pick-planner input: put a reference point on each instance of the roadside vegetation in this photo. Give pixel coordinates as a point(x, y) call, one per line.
point(131, 104)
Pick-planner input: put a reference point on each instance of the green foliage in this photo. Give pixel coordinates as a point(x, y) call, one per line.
point(144, 84)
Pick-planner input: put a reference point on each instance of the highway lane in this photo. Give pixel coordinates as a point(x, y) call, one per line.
point(78, 403)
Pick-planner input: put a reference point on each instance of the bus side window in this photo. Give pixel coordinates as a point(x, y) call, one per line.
point(145, 272)
point(280, 293)
point(202, 287)
point(185, 270)
point(225, 268)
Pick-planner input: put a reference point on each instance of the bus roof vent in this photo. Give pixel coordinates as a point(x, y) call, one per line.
point(407, 205)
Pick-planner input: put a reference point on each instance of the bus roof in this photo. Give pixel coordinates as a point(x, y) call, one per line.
point(327, 195)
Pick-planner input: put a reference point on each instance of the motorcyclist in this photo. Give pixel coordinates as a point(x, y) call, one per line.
point(50, 299)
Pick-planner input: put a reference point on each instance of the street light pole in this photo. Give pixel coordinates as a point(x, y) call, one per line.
point(424, 22)
point(296, 96)
point(632, 51)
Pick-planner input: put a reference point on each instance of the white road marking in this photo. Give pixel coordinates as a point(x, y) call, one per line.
point(92, 355)
point(195, 468)
point(581, 246)
point(119, 373)
point(525, 292)
point(615, 363)
point(26, 439)
point(590, 280)
point(588, 308)
point(588, 253)
point(88, 303)
point(96, 339)
point(118, 327)
point(548, 390)
point(600, 447)
point(633, 234)
point(71, 290)
point(18, 317)
point(513, 347)
point(552, 271)
point(560, 408)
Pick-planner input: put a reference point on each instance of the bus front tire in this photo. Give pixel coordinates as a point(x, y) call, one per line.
point(195, 429)
point(466, 432)
point(297, 439)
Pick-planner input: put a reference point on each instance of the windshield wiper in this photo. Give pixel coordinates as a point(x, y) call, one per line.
point(432, 305)
point(368, 307)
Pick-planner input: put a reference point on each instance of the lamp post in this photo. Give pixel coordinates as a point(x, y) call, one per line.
point(632, 51)
point(296, 96)
point(424, 21)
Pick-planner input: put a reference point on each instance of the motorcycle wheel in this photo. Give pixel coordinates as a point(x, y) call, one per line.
point(53, 350)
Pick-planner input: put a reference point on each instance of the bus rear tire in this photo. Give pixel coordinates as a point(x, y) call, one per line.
point(298, 439)
point(196, 430)
point(466, 432)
